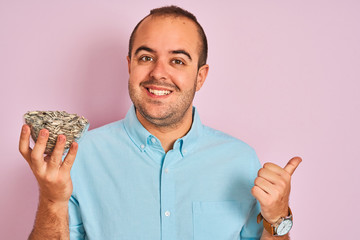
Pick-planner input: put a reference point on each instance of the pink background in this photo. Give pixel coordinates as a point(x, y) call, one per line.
point(284, 77)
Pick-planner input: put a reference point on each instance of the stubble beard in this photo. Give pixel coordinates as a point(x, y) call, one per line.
point(172, 116)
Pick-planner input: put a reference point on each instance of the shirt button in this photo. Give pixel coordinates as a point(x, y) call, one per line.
point(166, 170)
point(153, 140)
point(142, 146)
point(167, 213)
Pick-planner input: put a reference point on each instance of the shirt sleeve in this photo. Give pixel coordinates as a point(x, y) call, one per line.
point(252, 230)
point(76, 227)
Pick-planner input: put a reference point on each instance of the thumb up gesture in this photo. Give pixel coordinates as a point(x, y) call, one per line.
point(272, 189)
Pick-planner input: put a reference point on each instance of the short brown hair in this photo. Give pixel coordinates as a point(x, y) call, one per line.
point(176, 12)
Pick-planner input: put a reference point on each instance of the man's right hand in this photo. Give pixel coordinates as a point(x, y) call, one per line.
point(55, 186)
point(52, 174)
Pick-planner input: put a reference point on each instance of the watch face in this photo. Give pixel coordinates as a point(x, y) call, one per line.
point(284, 227)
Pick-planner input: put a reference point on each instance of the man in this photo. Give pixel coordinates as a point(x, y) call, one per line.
point(158, 173)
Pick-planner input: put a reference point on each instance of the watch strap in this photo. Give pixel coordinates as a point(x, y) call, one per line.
point(268, 226)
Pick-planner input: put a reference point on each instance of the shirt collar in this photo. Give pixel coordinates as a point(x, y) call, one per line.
point(140, 136)
point(188, 142)
point(136, 131)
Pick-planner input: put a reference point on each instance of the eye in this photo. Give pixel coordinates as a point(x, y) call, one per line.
point(178, 62)
point(146, 59)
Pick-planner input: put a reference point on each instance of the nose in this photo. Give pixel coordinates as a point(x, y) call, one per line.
point(159, 70)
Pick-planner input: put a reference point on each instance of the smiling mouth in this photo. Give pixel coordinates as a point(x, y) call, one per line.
point(159, 92)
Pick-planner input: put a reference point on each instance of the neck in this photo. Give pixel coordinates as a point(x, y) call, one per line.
point(168, 134)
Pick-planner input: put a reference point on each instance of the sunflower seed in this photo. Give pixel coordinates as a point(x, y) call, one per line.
point(56, 122)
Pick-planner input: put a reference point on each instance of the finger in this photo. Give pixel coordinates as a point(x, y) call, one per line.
point(265, 185)
point(292, 165)
point(70, 158)
point(56, 156)
point(260, 195)
point(269, 175)
point(39, 148)
point(24, 143)
point(274, 168)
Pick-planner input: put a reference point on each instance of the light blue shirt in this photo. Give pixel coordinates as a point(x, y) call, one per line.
point(127, 188)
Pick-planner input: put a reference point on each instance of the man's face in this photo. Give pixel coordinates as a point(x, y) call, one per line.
point(163, 69)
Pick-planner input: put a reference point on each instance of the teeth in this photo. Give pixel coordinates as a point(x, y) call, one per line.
point(159, 92)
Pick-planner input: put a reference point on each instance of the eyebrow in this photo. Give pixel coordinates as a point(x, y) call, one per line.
point(147, 49)
point(144, 48)
point(182, 52)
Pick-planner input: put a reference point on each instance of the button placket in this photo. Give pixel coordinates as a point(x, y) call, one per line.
point(168, 198)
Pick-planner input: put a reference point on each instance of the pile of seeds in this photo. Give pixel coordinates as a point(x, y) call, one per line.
point(57, 122)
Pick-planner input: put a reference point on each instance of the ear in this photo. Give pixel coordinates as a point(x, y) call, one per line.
point(201, 76)
point(129, 63)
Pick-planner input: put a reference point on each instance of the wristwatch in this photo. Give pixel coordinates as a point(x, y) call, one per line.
point(280, 228)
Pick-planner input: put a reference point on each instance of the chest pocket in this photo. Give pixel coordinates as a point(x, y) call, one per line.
point(217, 220)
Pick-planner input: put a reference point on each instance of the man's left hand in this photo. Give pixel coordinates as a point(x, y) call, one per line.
point(272, 189)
